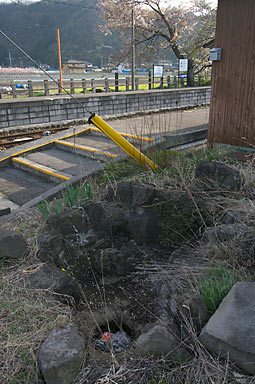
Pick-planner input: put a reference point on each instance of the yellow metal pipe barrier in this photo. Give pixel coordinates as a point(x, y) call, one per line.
point(121, 142)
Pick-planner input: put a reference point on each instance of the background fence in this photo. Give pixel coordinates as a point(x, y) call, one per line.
point(33, 88)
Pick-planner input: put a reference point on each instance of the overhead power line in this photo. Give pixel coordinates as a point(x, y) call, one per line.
point(42, 69)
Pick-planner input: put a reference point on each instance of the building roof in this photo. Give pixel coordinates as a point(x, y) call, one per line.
point(74, 62)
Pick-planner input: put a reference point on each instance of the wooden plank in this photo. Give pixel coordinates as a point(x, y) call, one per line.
point(233, 100)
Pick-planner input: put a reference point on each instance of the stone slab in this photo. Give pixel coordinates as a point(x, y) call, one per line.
point(230, 332)
point(6, 205)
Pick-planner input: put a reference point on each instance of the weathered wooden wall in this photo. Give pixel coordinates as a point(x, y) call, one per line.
point(232, 115)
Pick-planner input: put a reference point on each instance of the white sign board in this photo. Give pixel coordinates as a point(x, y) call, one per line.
point(158, 70)
point(183, 65)
point(120, 67)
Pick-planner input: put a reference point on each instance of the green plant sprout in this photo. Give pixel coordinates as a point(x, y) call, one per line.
point(71, 197)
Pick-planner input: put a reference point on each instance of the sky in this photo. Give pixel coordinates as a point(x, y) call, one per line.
point(177, 2)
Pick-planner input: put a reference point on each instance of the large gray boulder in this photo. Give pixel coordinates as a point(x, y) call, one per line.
point(225, 232)
point(230, 331)
point(70, 221)
point(168, 221)
point(51, 247)
point(158, 341)
point(12, 245)
point(215, 172)
point(53, 279)
point(195, 310)
point(95, 212)
point(61, 355)
point(116, 262)
point(145, 225)
point(132, 194)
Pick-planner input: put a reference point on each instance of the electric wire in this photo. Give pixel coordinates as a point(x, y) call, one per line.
point(43, 70)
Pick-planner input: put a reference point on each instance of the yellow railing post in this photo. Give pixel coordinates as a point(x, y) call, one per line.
point(121, 142)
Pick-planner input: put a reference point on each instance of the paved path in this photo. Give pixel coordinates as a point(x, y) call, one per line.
point(37, 168)
point(162, 122)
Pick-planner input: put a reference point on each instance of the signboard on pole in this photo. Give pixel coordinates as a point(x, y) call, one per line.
point(158, 70)
point(183, 65)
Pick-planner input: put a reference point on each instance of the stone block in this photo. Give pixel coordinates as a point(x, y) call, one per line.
point(52, 279)
point(61, 355)
point(224, 176)
point(229, 332)
point(158, 341)
point(20, 116)
point(12, 245)
point(4, 124)
point(38, 120)
point(14, 123)
point(41, 113)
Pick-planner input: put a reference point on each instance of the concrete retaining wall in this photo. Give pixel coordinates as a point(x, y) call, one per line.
point(38, 110)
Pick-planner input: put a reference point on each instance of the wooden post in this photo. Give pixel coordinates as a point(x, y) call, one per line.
point(116, 82)
point(84, 85)
point(93, 86)
point(149, 80)
point(72, 90)
point(127, 83)
point(14, 92)
point(137, 83)
point(175, 82)
point(168, 82)
point(106, 82)
point(46, 88)
point(30, 88)
point(59, 87)
point(161, 82)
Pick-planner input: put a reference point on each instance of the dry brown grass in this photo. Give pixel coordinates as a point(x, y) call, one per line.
point(26, 319)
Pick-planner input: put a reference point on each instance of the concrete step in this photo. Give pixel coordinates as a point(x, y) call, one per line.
point(40, 170)
point(186, 136)
point(100, 142)
point(132, 138)
point(83, 150)
point(70, 164)
point(6, 205)
point(20, 187)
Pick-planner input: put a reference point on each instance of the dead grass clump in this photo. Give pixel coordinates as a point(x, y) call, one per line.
point(26, 319)
point(203, 367)
point(248, 186)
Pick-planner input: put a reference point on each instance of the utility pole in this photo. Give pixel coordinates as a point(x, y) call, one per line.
point(10, 59)
point(133, 48)
point(60, 63)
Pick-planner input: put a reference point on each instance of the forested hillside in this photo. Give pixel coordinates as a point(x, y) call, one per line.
point(34, 28)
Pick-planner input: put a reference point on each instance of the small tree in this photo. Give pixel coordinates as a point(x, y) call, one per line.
point(160, 25)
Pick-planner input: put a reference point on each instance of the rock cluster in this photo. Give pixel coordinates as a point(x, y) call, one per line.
point(107, 241)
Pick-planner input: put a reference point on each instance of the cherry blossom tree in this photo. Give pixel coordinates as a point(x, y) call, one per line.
point(159, 24)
